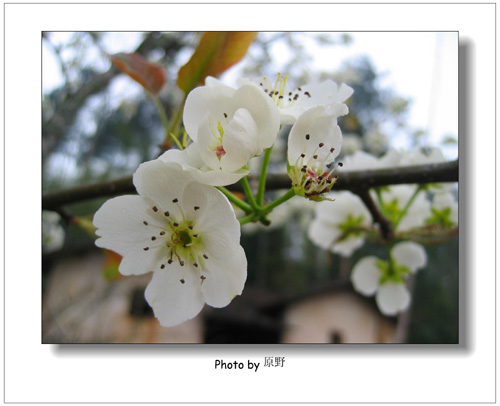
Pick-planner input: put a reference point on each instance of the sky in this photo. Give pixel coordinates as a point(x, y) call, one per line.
point(422, 66)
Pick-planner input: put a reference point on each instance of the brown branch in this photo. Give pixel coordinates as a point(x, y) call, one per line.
point(353, 181)
point(386, 227)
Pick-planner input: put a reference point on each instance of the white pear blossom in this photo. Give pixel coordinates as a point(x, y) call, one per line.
point(444, 209)
point(292, 103)
point(185, 232)
point(386, 279)
point(229, 127)
point(336, 224)
point(314, 142)
point(52, 232)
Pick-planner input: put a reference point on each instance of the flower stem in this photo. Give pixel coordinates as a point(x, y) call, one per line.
point(287, 196)
point(262, 180)
point(247, 219)
point(248, 193)
point(235, 200)
point(410, 202)
point(163, 116)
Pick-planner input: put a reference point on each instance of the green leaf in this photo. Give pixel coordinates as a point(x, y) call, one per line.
point(150, 75)
point(216, 52)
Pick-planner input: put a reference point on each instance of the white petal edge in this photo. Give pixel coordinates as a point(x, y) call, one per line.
point(365, 276)
point(392, 298)
point(410, 254)
point(225, 278)
point(174, 302)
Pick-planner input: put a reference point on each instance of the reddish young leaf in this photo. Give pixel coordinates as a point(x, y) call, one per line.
point(110, 268)
point(216, 52)
point(151, 76)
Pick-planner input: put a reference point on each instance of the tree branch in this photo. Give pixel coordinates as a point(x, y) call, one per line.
point(386, 227)
point(353, 181)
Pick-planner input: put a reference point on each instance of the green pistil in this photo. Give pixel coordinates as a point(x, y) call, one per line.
point(184, 237)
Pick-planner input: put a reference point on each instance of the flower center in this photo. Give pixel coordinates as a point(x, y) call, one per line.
point(178, 238)
point(217, 138)
point(314, 174)
point(279, 94)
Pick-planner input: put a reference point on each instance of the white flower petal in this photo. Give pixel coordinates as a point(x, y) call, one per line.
point(264, 111)
point(392, 298)
point(225, 278)
point(348, 246)
point(313, 128)
point(174, 302)
point(365, 276)
point(162, 182)
point(323, 234)
point(409, 254)
point(192, 163)
point(215, 99)
point(120, 226)
point(215, 221)
point(240, 141)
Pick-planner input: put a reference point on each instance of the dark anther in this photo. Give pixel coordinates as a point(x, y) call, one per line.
point(204, 256)
point(303, 170)
point(225, 115)
point(321, 144)
point(170, 261)
point(196, 265)
point(308, 136)
point(145, 223)
point(182, 263)
point(162, 232)
point(332, 149)
point(341, 164)
point(182, 281)
point(195, 235)
point(299, 89)
point(146, 248)
point(295, 97)
point(176, 224)
point(307, 94)
point(167, 214)
point(197, 207)
point(315, 156)
point(162, 266)
point(175, 200)
point(303, 155)
point(153, 238)
point(190, 227)
point(155, 208)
